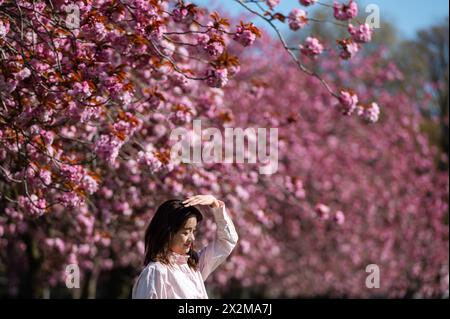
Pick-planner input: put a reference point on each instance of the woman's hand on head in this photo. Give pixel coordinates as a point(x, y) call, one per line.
point(208, 200)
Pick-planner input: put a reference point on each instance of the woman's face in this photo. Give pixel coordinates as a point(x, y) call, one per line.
point(184, 238)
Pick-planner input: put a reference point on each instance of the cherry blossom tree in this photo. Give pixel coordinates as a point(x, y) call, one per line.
point(86, 113)
point(347, 195)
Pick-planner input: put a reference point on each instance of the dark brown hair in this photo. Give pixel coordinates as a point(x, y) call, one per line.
point(167, 221)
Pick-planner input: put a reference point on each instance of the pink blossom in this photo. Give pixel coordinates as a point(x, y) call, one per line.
point(202, 38)
point(217, 78)
point(119, 15)
point(349, 49)
point(57, 243)
point(107, 264)
point(295, 186)
point(244, 36)
point(348, 101)
point(47, 136)
point(4, 28)
point(106, 192)
point(33, 204)
point(339, 218)
point(307, 3)
point(84, 249)
point(233, 70)
point(50, 242)
point(183, 14)
point(125, 127)
point(71, 200)
point(312, 47)
point(99, 31)
point(86, 222)
point(74, 173)
point(107, 147)
point(22, 74)
point(7, 85)
point(150, 161)
point(272, 3)
point(45, 176)
point(94, 31)
point(323, 211)
point(124, 208)
point(157, 31)
point(180, 117)
point(214, 48)
point(126, 98)
point(345, 12)
point(87, 113)
point(81, 89)
point(297, 19)
point(371, 113)
point(90, 184)
point(361, 34)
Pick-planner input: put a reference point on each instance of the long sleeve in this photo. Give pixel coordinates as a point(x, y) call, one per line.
point(150, 284)
point(215, 253)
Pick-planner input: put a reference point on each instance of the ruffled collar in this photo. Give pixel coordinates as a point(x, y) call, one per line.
point(176, 258)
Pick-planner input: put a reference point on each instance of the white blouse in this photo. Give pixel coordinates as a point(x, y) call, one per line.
point(160, 281)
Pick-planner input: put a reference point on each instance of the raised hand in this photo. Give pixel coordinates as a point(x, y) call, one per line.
point(208, 200)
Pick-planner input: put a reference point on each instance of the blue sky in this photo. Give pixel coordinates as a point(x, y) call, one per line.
point(408, 15)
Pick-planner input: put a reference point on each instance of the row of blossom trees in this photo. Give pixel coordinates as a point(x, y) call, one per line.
point(85, 119)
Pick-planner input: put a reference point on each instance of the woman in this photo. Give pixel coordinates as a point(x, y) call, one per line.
point(173, 269)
